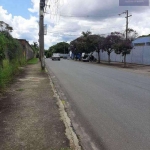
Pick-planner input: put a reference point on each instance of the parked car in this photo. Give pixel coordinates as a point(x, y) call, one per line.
point(88, 57)
point(56, 56)
point(85, 57)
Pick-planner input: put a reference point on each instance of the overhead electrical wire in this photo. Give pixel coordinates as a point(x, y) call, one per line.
point(84, 16)
point(80, 16)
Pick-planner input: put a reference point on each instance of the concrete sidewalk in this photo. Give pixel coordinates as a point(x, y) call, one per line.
point(29, 115)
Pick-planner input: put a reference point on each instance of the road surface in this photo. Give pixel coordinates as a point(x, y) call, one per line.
point(114, 105)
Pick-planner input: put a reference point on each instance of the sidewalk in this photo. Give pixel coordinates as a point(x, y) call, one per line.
point(29, 115)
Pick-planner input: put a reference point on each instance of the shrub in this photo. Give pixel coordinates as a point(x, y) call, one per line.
point(10, 68)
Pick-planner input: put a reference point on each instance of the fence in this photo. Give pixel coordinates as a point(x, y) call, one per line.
point(138, 55)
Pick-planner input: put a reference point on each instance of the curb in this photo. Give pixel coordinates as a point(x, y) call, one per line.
point(71, 135)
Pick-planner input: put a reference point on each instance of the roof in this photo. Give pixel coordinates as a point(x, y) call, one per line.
point(142, 40)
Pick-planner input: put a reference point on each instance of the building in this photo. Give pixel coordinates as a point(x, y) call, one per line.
point(142, 41)
point(27, 49)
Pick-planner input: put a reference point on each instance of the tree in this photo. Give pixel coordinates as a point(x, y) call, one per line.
point(132, 34)
point(5, 40)
point(86, 34)
point(78, 45)
point(86, 40)
point(10, 48)
point(5, 27)
point(97, 42)
point(35, 48)
point(110, 42)
point(61, 47)
point(123, 47)
point(2, 48)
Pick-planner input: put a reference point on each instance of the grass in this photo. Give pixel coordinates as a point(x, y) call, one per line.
point(10, 69)
point(7, 73)
point(32, 61)
point(20, 90)
point(62, 149)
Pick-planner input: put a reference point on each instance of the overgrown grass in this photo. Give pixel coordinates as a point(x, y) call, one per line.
point(12, 68)
point(8, 71)
point(33, 61)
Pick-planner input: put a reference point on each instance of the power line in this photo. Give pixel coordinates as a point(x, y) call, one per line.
point(62, 33)
point(57, 33)
point(85, 16)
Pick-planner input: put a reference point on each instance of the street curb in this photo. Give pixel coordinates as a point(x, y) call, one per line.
point(71, 135)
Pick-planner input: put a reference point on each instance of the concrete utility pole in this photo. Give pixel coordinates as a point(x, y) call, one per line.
point(41, 33)
point(126, 12)
point(127, 23)
point(127, 16)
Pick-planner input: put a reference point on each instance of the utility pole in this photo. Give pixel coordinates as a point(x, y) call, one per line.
point(127, 16)
point(127, 23)
point(41, 33)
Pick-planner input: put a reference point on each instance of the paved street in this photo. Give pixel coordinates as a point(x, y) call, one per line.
point(113, 104)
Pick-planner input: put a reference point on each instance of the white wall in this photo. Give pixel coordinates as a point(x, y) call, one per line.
point(138, 55)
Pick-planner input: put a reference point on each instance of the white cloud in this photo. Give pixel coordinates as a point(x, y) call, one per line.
point(35, 8)
point(5, 16)
point(98, 16)
point(22, 28)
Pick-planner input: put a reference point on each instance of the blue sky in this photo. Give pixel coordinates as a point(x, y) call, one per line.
point(17, 7)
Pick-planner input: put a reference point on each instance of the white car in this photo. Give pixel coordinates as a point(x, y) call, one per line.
point(56, 56)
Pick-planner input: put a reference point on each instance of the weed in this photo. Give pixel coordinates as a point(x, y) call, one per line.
point(20, 90)
point(33, 61)
point(63, 102)
point(10, 68)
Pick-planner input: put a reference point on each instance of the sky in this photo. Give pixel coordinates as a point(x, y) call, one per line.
point(67, 19)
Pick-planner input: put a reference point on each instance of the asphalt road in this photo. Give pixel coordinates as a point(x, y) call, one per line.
point(114, 103)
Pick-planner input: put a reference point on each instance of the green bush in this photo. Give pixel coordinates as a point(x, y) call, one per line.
point(8, 71)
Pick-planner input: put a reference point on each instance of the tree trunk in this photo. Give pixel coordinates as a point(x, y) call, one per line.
point(98, 56)
point(109, 58)
point(125, 60)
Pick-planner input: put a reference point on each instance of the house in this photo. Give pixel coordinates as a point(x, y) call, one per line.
point(27, 49)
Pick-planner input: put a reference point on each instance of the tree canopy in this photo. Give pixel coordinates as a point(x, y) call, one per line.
point(9, 47)
point(61, 47)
